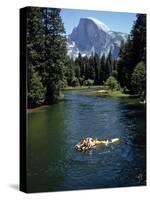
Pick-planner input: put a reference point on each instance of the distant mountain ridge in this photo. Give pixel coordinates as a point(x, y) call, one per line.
point(92, 35)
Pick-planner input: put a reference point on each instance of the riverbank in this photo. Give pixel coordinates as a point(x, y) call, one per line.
point(100, 90)
point(109, 93)
point(83, 87)
point(37, 109)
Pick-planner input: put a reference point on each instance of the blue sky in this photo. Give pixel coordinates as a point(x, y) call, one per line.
point(116, 21)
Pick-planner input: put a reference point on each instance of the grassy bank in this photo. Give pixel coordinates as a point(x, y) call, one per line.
point(100, 90)
point(37, 109)
point(112, 93)
point(109, 93)
point(83, 87)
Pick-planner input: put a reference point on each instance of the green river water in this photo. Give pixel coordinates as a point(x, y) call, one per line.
point(54, 165)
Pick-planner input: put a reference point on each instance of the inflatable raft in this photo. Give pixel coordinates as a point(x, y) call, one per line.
point(88, 143)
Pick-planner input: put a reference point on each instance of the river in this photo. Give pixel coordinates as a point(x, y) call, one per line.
point(53, 164)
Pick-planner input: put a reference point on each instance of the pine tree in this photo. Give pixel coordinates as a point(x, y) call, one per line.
point(77, 71)
point(132, 52)
point(138, 35)
point(114, 69)
point(80, 62)
point(87, 68)
point(91, 68)
point(138, 80)
point(36, 90)
point(69, 70)
point(123, 63)
point(55, 52)
point(102, 74)
point(97, 69)
point(109, 64)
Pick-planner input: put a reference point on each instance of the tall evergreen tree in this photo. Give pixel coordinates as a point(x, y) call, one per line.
point(124, 63)
point(133, 51)
point(114, 69)
point(102, 70)
point(138, 35)
point(36, 90)
point(87, 68)
point(97, 69)
point(69, 70)
point(55, 52)
point(109, 64)
point(80, 62)
point(91, 67)
point(138, 80)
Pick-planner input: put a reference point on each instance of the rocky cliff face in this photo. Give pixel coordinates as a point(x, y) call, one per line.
point(92, 35)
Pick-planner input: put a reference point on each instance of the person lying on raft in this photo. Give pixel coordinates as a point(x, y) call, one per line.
point(88, 143)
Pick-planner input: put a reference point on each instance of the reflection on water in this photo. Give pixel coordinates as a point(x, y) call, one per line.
point(53, 164)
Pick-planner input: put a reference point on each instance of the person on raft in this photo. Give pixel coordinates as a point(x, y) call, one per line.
point(88, 143)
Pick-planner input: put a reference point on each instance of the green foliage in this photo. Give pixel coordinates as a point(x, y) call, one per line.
point(63, 83)
point(125, 90)
point(132, 52)
point(77, 71)
point(46, 49)
point(115, 74)
point(36, 90)
point(96, 64)
point(138, 35)
point(112, 83)
point(125, 64)
point(138, 80)
point(81, 80)
point(87, 67)
point(55, 52)
point(79, 63)
point(75, 82)
point(69, 70)
point(91, 68)
point(94, 68)
point(109, 65)
point(88, 82)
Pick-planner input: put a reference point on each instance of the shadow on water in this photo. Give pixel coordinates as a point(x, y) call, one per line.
point(46, 149)
point(53, 163)
point(136, 115)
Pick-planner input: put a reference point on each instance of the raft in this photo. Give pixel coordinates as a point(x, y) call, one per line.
point(89, 143)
